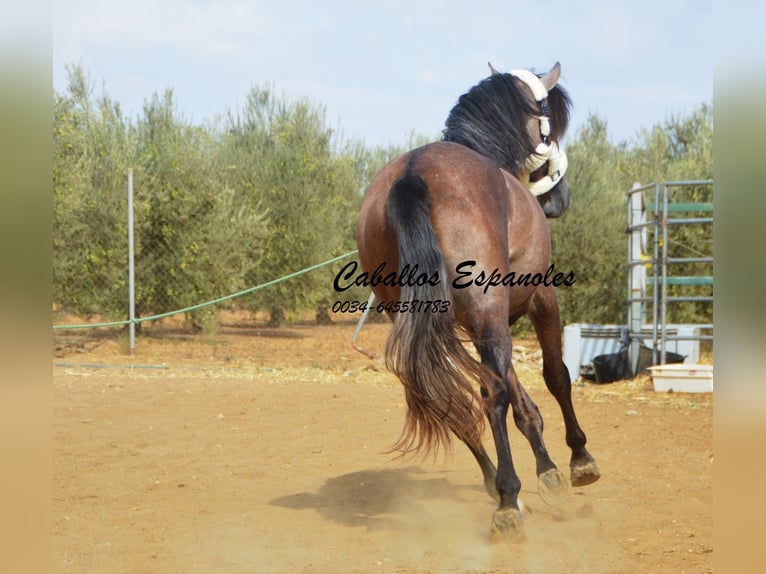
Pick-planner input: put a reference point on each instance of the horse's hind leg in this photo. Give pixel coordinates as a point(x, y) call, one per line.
point(493, 345)
point(528, 419)
point(552, 485)
point(545, 318)
point(488, 470)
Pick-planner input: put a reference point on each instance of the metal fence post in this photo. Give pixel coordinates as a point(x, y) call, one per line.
point(131, 269)
point(636, 273)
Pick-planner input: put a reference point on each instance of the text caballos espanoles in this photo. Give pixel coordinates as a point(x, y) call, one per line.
point(466, 275)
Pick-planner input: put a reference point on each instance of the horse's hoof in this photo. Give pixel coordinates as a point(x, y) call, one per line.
point(507, 524)
point(553, 487)
point(585, 473)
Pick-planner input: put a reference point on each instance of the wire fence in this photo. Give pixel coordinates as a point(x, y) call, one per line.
point(177, 248)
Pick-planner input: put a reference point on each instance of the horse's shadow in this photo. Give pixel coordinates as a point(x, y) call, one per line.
point(379, 499)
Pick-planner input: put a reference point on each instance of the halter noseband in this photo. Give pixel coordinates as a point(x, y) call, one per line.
point(547, 150)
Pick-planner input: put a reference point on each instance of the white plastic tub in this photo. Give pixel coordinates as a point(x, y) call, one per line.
point(682, 378)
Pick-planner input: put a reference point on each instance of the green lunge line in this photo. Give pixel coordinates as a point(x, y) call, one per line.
point(213, 302)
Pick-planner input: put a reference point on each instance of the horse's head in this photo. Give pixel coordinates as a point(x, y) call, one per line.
point(516, 119)
point(544, 168)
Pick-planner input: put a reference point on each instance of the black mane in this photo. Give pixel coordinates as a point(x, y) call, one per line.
point(491, 119)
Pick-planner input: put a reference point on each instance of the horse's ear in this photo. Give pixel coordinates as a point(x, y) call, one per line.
point(492, 69)
point(550, 78)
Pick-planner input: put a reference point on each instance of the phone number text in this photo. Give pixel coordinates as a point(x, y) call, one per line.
point(414, 306)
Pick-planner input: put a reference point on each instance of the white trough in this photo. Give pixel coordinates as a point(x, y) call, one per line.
point(682, 378)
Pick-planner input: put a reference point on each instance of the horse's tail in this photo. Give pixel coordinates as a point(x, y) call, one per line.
point(423, 348)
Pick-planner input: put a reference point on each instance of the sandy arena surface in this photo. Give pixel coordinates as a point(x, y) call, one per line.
point(263, 450)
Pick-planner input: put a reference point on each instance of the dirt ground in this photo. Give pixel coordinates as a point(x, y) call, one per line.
point(263, 450)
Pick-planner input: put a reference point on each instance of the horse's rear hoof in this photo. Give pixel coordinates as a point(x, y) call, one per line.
point(584, 474)
point(553, 487)
point(507, 525)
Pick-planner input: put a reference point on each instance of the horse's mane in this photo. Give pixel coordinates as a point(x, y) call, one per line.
point(491, 119)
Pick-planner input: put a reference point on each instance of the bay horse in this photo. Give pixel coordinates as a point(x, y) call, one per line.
point(454, 239)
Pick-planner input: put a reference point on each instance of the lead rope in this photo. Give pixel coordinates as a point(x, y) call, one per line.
point(359, 325)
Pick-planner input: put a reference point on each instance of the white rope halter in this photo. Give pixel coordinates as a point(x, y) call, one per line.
point(546, 150)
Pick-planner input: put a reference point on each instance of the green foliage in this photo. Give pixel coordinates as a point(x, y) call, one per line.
point(194, 239)
point(282, 155)
point(681, 148)
point(591, 239)
point(271, 190)
point(92, 148)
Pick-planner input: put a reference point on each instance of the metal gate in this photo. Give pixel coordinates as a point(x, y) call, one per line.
point(656, 213)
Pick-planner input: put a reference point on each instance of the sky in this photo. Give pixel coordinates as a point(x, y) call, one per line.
point(385, 69)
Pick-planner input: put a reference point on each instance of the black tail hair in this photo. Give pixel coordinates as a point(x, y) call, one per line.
point(423, 348)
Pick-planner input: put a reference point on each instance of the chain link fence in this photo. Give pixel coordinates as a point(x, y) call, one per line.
point(217, 208)
point(193, 256)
